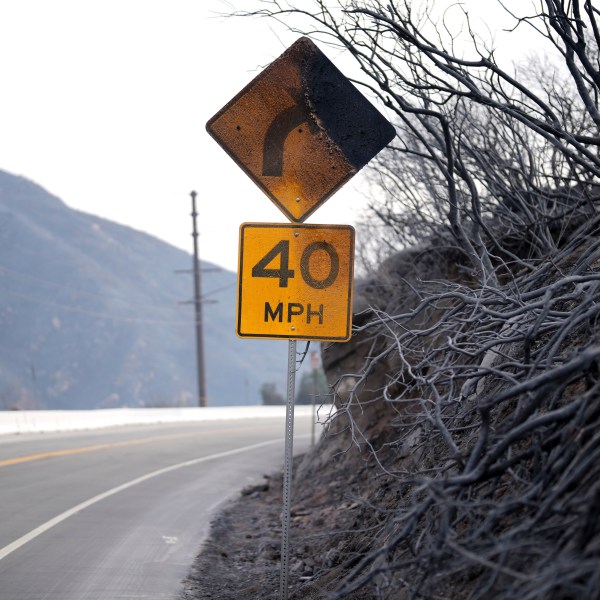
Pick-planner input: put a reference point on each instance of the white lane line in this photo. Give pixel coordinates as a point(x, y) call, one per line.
point(4, 552)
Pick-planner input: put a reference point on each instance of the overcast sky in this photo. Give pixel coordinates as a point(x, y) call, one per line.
point(104, 103)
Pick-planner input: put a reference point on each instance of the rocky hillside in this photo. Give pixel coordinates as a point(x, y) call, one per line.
point(91, 315)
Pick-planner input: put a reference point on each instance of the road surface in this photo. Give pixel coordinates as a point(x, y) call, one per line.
point(120, 513)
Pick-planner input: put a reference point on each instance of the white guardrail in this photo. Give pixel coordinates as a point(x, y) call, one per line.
point(32, 421)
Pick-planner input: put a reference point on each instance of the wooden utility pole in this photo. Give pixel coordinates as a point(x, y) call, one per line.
point(202, 401)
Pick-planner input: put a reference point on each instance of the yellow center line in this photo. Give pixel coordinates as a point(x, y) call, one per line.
point(66, 452)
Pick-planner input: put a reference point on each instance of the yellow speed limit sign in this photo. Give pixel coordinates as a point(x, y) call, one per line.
point(295, 281)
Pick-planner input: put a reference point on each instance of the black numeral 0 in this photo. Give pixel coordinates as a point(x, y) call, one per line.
point(334, 265)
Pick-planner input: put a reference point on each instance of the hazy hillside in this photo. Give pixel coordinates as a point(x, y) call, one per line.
point(91, 315)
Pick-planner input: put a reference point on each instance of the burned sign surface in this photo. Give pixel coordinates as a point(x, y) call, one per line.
point(300, 130)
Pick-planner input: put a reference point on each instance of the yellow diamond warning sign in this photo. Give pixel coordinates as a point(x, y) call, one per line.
point(295, 281)
point(300, 130)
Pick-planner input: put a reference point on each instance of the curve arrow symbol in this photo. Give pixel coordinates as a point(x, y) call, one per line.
point(283, 124)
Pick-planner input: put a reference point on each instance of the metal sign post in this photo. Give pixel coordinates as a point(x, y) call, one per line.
point(295, 281)
point(287, 473)
point(315, 363)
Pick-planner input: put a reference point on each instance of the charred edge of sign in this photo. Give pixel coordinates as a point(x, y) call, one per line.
point(355, 127)
point(309, 57)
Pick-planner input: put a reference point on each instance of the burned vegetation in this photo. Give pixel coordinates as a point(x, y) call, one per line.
point(463, 460)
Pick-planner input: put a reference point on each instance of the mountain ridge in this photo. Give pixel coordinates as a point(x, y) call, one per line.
point(91, 315)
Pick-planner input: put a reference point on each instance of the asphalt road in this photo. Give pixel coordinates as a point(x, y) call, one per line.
point(120, 513)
